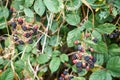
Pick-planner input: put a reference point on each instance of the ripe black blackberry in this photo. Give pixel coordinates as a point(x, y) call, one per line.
point(95, 40)
point(15, 38)
point(61, 78)
point(94, 60)
point(79, 64)
point(21, 42)
point(13, 24)
point(70, 77)
point(27, 35)
point(30, 41)
point(91, 65)
point(80, 48)
point(65, 72)
point(86, 58)
point(74, 56)
point(24, 28)
point(79, 70)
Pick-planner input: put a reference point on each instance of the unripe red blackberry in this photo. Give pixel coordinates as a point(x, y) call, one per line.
point(80, 54)
point(87, 35)
point(91, 57)
point(91, 49)
point(75, 61)
point(87, 68)
point(83, 64)
point(76, 42)
point(20, 21)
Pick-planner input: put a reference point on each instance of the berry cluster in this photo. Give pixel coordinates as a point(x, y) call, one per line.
point(114, 34)
point(83, 61)
point(65, 76)
point(22, 31)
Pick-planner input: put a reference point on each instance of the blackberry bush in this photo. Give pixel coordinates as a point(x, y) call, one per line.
point(59, 39)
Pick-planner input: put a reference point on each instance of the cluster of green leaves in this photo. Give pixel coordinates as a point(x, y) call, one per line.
point(64, 27)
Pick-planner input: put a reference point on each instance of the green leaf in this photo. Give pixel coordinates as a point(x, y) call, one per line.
point(113, 65)
point(90, 42)
point(29, 19)
point(28, 12)
point(72, 36)
point(52, 5)
point(54, 64)
point(7, 75)
point(7, 42)
point(19, 64)
point(74, 68)
point(88, 25)
point(2, 24)
point(28, 3)
point(64, 58)
point(48, 50)
point(103, 15)
point(43, 58)
point(100, 58)
point(105, 28)
point(72, 19)
point(114, 11)
point(54, 26)
point(28, 49)
point(4, 12)
point(97, 35)
point(73, 5)
point(39, 7)
point(114, 49)
point(78, 78)
point(1, 60)
point(100, 47)
point(54, 41)
point(83, 72)
point(56, 53)
point(90, 1)
point(100, 75)
point(17, 3)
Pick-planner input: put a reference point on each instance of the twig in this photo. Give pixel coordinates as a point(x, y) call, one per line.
point(117, 20)
point(37, 41)
point(72, 53)
point(43, 33)
point(58, 29)
point(6, 3)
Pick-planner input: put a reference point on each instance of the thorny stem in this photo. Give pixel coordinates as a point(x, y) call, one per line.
point(34, 72)
point(23, 52)
point(50, 18)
